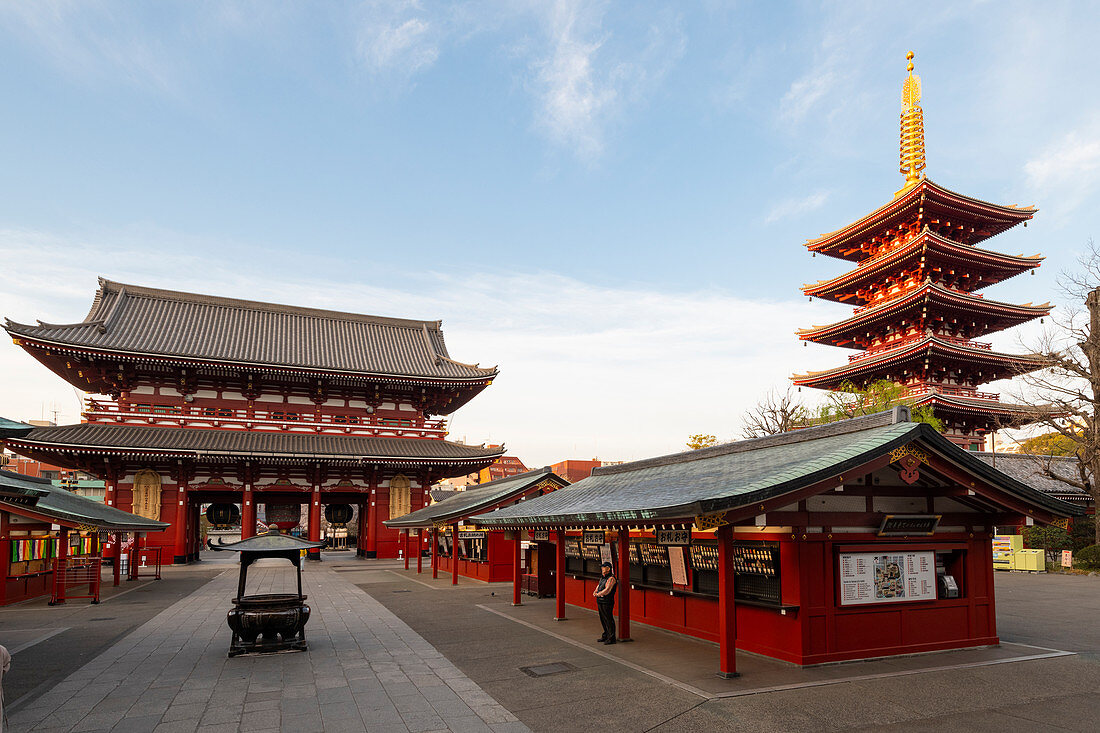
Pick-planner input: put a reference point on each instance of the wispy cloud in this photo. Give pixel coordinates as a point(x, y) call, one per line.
point(397, 36)
point(622, 361)
point(790, 208)
point(1067, 171)
point(581, 83)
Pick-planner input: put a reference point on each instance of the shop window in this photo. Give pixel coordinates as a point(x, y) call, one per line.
point(400, 497)
point(756, 568)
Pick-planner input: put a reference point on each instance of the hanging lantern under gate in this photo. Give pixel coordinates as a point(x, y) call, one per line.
point(338, 515)
point(223, 516)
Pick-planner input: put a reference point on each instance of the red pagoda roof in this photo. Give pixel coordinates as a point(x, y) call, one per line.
point(931, 299)
point(939, 253)
point(953, 353)
point(931, 202)
point(128, 320)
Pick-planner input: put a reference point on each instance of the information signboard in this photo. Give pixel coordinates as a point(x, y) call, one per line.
point(674, 537)
point(887, 577)
point(594, 537)
point(472, 535)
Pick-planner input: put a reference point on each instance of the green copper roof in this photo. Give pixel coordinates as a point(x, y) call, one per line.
point(69, 508)
point(475, 499)
point(733, 475)
point(13, 429)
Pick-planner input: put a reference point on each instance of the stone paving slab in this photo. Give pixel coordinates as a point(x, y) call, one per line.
point(365, 670)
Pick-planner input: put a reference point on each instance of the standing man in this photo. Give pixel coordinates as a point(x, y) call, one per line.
point(605, 602)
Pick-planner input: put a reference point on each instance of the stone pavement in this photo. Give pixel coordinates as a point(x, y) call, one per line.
point(365, 670)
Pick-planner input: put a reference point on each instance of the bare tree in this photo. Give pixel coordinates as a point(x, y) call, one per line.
point(1064, 396)
point(775, 413)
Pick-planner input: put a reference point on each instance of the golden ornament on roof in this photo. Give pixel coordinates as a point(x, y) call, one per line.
point(912, 130)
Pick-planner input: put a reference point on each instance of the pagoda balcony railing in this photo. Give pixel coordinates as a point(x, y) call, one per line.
point(927, 389)
point(287, 418)
point(901, 343)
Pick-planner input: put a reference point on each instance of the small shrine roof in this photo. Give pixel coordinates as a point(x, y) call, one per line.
point(68, 508)
point(996, 217)
point(135, 320)
point(736, 475)
point(476, 499)
point(273, 542)
point(13, 429)
point(253, 444)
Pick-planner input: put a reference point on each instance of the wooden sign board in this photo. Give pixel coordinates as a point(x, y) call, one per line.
point(594, 537)
point(908, 525)
point(674, 537)
point(1067, 558)
point(677, 565)
point(541, 535)
point(472, 535)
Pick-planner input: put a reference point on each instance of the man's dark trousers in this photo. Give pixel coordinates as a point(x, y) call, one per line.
point(607, 615)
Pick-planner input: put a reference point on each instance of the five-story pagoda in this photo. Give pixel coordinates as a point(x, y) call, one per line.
point(219, 400)
point(917, 309)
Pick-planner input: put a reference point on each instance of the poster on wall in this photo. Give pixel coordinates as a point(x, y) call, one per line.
point(677, 565)
point(887, 577)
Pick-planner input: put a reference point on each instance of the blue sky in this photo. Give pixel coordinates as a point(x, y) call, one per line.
point(607, 199)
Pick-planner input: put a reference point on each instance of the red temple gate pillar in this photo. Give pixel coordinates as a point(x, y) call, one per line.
point(454, 554)
point(361, 535)
point(559, 575)
point(113, 551)
point(181, 552)
point(624, 584)
point(419, 551)
point(314, 521)
point(727, 607)
point(406, 538)
point(248, 512)
point(372, 521)
point(517, 570)
point(435, 553)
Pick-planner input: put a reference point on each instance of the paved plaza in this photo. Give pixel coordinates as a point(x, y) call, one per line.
point(391, 650)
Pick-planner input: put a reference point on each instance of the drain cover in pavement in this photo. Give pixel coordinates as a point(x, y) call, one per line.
point(544, 670)
point(102, 618)
point(402, 591)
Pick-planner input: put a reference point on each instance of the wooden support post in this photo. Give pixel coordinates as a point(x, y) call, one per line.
point(361, 533)
point(624, 584)
point(454, 554)
point(435, 553)
point(727, 607)
point(59, 573)
point(517, 568)
point(419, 551)
point(117, 570)
point(559, 575)
point(406, 533)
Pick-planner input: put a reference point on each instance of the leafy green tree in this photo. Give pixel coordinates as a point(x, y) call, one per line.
point(1049, 539)
point(851, 400)
point(1048, 444)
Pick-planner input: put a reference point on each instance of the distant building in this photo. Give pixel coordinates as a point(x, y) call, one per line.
point(502, 467)
point(575, 469)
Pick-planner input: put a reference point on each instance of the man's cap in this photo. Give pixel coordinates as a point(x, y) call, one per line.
point(606, 565)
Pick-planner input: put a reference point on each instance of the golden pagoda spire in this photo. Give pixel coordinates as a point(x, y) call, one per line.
point(912, 130)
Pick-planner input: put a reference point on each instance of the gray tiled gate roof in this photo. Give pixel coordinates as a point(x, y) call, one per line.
point(242, 443)
point(147, 321)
